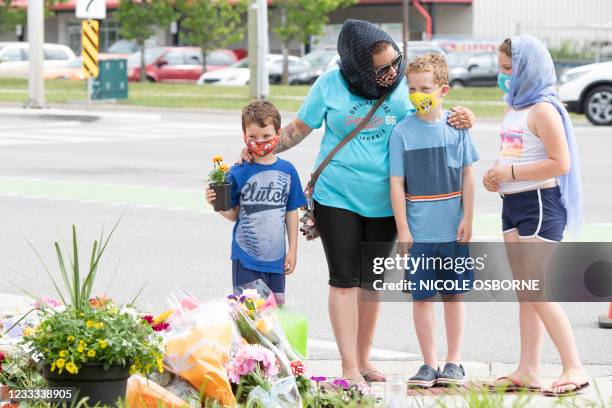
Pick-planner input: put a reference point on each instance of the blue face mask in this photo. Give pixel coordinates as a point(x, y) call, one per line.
point(503, 81)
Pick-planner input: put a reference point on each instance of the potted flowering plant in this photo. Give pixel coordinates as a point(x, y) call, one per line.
point(91, 343)
point(218, 182)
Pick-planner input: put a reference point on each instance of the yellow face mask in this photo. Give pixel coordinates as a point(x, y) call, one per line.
point(424, 102)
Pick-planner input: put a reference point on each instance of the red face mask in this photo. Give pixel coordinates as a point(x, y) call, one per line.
point(261, 149)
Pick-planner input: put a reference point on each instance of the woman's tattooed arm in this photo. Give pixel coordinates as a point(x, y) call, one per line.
point(292, 134)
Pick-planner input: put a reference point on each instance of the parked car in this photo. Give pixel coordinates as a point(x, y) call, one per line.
point(14, 61)
point(177, 64)
point(320, 61)
point(588, 89)
point(74, 70)
point(239, 73)
point(472, 69)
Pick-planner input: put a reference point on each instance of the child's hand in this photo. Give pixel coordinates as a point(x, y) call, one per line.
point(464, 232)
point(499, 174)
point(290, 261)
point(489, 185)
point(404, 242)
point(210, 195)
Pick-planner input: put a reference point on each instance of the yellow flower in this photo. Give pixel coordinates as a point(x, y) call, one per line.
point(90, 324)
point(53, 367)
point(224, 167)
point(63, 353)
point(70, 338)
point(91, 353)
point(163, 317)
point(262, 326)
point(133, 370)
point(60, 362)
point(103, 344)
point(72, 368)
point(80, 348)
point(28, 331)
point(99, 325)
point(160, 364)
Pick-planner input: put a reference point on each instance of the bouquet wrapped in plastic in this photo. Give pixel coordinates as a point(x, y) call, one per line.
point(198, 347)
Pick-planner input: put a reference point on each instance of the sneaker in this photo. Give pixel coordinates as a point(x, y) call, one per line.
point(425, 378)
point(452, 374)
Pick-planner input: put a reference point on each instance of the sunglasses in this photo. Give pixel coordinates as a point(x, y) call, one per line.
point(383, 70)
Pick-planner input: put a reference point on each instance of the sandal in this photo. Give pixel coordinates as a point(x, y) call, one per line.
point(513, 386)
point(368, 376)
point(577, 388)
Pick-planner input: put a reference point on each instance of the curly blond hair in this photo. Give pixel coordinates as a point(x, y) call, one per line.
point(434, 63)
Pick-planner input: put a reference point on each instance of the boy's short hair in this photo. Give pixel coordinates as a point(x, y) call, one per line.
point(434, 63)
point(263, 113)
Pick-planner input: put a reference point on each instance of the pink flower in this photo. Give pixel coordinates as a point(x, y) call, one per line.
point(160, 326)
point(297, 368)
point(148, 318)
point(43, 301)
point(247, 358)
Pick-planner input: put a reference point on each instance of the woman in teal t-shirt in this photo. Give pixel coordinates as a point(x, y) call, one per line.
point(351, 197)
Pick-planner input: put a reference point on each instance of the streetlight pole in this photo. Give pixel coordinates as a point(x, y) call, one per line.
point(405, 27)
point(258, 48)
point(36, 30)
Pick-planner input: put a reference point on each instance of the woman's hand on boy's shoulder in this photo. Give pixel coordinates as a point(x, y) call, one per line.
point(245, 157)
point(461, 118)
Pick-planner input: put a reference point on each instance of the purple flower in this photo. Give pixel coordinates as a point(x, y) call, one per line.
point(232, 297)
point(342, 383)
point(242, 299)
point(318, 379)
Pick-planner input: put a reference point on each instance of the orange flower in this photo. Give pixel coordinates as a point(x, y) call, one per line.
point(217, 159)
point(224, 167)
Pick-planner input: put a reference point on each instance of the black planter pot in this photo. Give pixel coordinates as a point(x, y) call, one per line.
point(222, 200)
point(93, 381)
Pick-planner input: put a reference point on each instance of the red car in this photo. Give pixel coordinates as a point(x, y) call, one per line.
point(177, 64)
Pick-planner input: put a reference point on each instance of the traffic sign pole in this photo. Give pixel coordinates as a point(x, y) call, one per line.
point(36, 30)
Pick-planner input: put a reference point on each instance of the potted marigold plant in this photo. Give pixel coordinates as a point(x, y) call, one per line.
point(218, 182)
point(91, 343)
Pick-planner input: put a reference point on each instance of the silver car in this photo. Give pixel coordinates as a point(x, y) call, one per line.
point(14, 61)
point(472, 69)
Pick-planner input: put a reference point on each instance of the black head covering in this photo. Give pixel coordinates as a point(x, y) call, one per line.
point(355, 44)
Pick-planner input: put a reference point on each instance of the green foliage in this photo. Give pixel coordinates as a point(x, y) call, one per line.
point(218, 175)
point(11, 16)
point(211, 24)
point(302, 19)
point(569, 50)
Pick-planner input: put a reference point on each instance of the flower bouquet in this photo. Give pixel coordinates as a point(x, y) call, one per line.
point(218, 182)
point(89, 342)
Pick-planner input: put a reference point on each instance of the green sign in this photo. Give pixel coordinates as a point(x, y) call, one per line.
point(111, 82)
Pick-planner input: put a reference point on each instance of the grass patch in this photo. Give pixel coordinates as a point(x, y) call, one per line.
point(485, 102)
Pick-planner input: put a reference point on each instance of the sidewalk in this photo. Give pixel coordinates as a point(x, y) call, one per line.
point(599, 394)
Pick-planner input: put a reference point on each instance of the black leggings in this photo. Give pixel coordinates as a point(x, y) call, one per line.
point(342, 233)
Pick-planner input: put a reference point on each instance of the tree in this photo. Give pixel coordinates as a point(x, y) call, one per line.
point(299, 20)
point(11, 16)
point(138, 21)
point(211, 24)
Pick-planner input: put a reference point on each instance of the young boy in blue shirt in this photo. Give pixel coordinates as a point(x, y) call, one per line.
point(265, 197)
point(432, 194)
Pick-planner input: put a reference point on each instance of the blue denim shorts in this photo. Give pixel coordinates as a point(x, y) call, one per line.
point(435, 257)
point(241, 276)
point(535, 214)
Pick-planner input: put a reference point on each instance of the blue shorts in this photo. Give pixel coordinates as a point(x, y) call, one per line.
point(241, 276)
point(535, 214)
point(441, 262)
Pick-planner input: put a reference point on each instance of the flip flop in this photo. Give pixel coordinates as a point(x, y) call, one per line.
point(514, 386)
point(367, 376)
point(579, 387)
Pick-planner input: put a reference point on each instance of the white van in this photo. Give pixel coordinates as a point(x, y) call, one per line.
point(14, 61)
